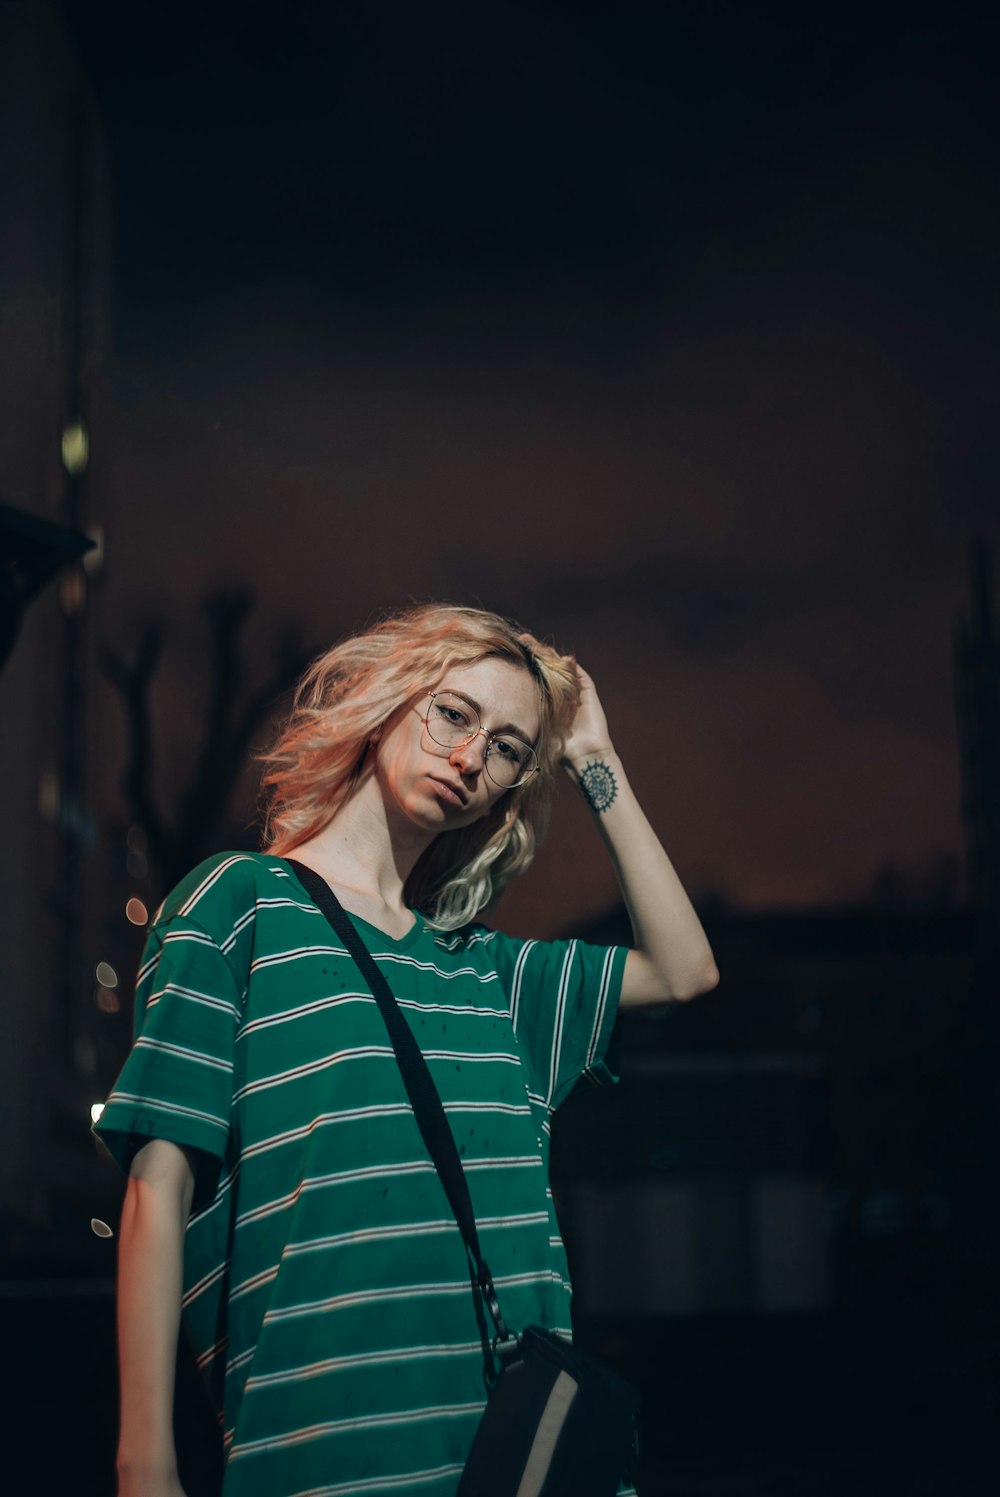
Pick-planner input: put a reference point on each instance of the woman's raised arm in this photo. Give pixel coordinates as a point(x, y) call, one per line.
point(672, 959)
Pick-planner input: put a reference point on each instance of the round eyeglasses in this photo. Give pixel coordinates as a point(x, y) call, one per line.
point(453, 722)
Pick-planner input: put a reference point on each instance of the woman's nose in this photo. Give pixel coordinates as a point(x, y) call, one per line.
point(470, 757)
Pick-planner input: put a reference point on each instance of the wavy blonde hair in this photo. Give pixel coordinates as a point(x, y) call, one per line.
point(342, 702)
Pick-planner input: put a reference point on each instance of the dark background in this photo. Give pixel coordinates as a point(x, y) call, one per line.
point(670, 330)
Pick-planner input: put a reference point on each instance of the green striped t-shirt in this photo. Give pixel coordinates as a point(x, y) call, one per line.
point(327, 1289)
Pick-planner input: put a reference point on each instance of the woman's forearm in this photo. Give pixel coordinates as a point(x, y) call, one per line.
point(672, 959)
point(150, 1273)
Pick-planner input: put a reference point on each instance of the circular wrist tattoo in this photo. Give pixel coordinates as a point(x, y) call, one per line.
point(599, 785)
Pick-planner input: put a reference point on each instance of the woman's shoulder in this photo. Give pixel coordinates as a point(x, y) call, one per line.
point(222, 888)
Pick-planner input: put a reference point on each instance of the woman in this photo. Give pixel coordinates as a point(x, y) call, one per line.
point(278, 1184)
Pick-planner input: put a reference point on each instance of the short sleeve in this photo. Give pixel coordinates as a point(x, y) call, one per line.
point(177, 1081)
point(563, 998)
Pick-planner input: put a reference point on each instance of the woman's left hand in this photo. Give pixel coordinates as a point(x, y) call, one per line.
point(588, 736)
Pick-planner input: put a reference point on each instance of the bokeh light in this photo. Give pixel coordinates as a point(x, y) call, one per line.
point(136, 912)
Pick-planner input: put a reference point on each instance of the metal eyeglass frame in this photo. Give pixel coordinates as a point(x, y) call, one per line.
point(490, 739)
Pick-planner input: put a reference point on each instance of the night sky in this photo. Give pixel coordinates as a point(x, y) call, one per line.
point(670, 330)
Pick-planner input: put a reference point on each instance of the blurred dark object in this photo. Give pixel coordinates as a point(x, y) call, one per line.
point(977, 682)
point(31, 552)
point(977, 694)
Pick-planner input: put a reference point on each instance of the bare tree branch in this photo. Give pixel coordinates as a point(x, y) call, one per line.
point(133, 683)
point(200, 818)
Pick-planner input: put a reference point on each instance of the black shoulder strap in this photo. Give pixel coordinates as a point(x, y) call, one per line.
point(423, 1094)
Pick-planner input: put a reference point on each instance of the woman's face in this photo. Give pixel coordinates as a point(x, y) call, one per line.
point(441, 789)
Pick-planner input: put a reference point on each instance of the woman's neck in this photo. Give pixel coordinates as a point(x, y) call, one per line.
point(358, 852)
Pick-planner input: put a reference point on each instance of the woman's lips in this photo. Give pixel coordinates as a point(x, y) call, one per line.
point(449, 793)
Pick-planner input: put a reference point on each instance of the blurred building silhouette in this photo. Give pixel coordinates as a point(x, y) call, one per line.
point(977, 691)
point(54, 275)
point(977, 680)
point(780, 1223)
point(803, 1138)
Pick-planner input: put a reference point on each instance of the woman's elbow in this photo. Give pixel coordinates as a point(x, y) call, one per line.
point(701, 981)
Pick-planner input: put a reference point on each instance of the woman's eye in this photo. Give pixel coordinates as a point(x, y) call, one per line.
point(508, 750)
point(452, 715)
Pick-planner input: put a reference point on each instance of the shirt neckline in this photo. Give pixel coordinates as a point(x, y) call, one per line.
point(398, 943)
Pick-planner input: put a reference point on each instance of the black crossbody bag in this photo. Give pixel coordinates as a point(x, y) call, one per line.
point(558, 1422)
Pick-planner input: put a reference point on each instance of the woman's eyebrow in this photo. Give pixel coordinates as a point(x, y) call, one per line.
point(504, 728)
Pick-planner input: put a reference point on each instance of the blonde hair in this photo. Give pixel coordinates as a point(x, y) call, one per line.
point(346, 696)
